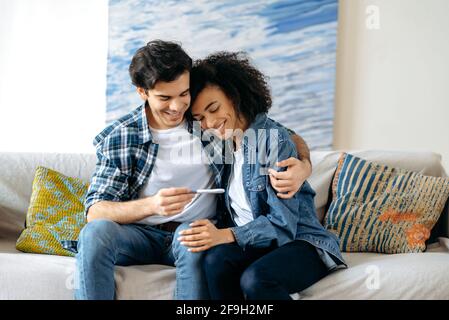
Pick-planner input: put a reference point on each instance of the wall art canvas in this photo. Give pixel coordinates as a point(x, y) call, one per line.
point(292, 41)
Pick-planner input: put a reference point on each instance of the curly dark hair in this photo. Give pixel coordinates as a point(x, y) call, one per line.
point(158, 61)
point(233, 73)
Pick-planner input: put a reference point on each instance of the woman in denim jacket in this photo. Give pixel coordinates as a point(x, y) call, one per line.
point(274, 247)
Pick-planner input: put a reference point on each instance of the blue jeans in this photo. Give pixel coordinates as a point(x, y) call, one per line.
point(103, 244)
point(261, 274)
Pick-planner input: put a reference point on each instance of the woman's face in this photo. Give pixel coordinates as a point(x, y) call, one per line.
point(216, 111)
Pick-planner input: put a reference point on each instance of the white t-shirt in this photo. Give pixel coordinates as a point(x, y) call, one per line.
point(180, 162)
point(237, 195)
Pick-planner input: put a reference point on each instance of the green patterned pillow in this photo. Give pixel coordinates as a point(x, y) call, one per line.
point(55, 214)
point(377, 208)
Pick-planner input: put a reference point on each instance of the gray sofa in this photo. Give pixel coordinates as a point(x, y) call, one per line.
point(369, 276)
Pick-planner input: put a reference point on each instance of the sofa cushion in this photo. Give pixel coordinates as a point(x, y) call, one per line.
point(55, 214)
point(379, 208)
point(401, 276)
point(49, 277)
point(377, 276)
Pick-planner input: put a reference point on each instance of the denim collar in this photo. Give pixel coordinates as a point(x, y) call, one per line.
point(260, 122)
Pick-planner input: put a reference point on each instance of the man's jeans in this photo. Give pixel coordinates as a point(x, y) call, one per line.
point(104, 244)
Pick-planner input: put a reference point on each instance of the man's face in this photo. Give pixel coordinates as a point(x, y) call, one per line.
point(168, 101)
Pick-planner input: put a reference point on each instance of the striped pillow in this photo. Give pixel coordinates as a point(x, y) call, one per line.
point(377, 208)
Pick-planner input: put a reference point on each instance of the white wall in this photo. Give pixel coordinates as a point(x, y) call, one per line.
point(52, 74)
point(393, 83)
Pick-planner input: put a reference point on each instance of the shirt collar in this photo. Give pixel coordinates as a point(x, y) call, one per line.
point(144, 129)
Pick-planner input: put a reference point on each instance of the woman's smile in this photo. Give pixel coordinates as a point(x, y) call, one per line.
point(221, 128)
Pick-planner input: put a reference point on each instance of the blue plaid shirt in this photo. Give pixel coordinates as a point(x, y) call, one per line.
point(126, 155)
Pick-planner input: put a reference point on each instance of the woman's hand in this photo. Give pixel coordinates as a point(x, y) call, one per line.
point(287, 183)
point(204, 235)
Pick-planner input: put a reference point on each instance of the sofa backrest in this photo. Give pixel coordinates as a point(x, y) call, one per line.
point(17, 174)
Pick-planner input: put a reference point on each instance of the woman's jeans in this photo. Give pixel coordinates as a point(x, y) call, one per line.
point(259, 274)
point(103, 244)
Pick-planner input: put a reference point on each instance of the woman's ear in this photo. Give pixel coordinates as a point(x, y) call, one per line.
point(142, 93)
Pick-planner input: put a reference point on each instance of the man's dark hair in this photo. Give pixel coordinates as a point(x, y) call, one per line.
point(158, 61)
point(233, 73)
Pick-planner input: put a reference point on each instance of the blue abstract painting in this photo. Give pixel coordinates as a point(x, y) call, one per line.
point(293, 42)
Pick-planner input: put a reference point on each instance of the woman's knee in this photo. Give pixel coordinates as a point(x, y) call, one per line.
point(252, 281)
point(215, 260)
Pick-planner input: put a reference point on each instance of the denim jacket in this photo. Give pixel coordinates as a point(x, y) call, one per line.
point(276, 220)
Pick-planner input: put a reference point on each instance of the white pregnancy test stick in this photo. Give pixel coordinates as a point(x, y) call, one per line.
point(209, 191)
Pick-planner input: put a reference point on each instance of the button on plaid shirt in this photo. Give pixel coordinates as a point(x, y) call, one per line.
point(126, 155)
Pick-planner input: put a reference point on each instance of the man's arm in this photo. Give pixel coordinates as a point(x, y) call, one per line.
point(120, 212)
point(287, 183)
point(302, 149)
point(108, 195)
point(166, 202)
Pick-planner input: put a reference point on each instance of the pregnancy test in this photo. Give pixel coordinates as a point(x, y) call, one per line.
point(209, 191)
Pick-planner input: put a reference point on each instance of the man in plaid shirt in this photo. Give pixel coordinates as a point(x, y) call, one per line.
point(142, 194)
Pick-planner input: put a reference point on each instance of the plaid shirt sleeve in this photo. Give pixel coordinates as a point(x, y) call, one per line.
point(109, 182)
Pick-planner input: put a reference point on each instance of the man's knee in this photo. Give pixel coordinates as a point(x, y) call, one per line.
point(97, 234)
point(181, 227)
point(181, 251)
